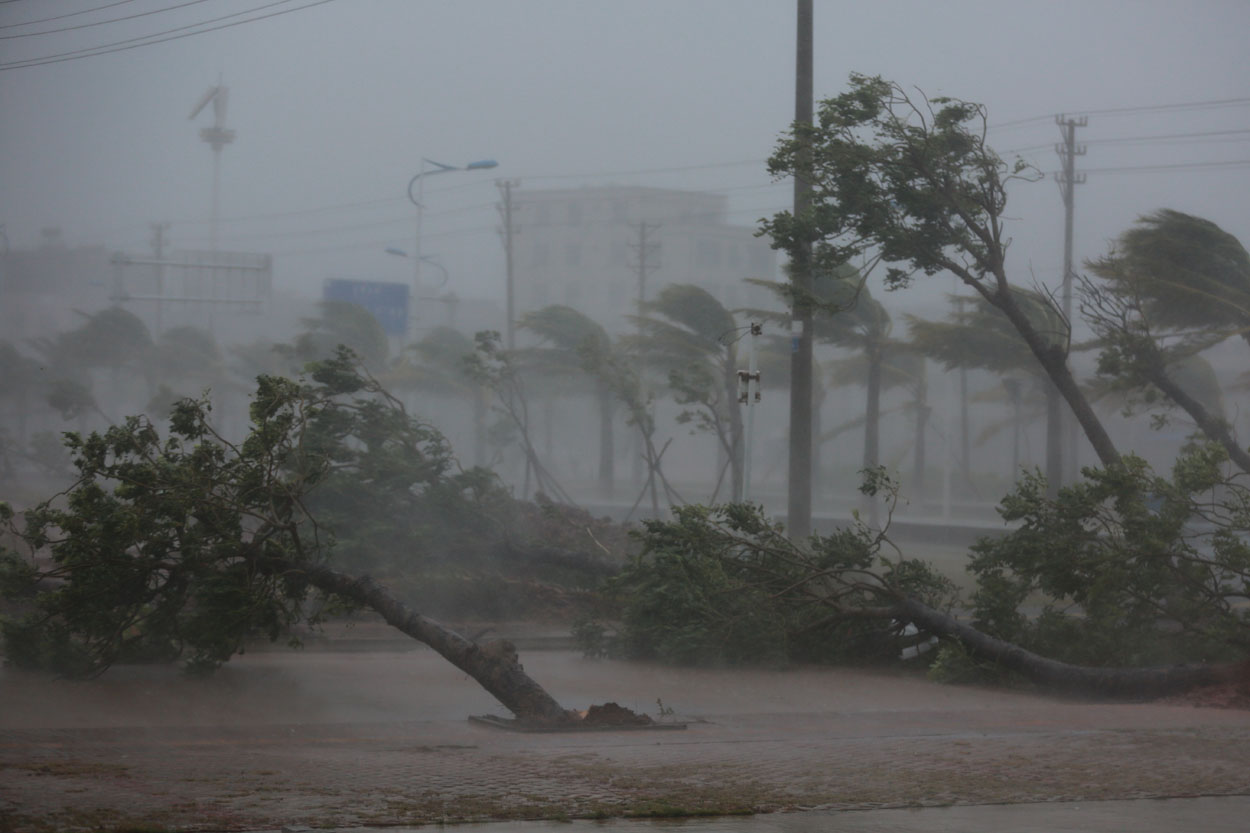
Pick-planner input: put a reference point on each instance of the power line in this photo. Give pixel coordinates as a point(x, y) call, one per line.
point(1183, 105)
point(1229, 163)
point(141, 40)
point(1125, 139)
point(149, 40)
point(67, 14)
point(1145, 108)
point(680, 169)
point(1162, 137)
point(99, 22)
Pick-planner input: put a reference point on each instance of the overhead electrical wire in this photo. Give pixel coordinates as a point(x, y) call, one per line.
point(67, 14)
point(1218, 103)
point(149, 40)
point(1227, 163)
point(1162, 137)
point(101, 22)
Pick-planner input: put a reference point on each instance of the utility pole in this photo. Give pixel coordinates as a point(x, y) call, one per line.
point(643, 263)
point(749, 394)
point(1068, 179)
point(505, 187)
point(158, 251)
point(799, 498)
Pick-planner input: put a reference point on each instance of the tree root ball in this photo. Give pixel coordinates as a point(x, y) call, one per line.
point(613, 714)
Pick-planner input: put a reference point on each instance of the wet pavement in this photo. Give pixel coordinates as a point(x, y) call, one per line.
point(327, 739)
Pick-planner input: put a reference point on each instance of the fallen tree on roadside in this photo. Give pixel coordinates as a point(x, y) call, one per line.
point(1121, 607)
point(185, 547)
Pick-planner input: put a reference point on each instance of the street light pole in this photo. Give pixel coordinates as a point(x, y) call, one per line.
point(418, 200)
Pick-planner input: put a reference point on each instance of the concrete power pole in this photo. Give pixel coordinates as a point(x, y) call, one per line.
point(643, 265)
point(505, 187)
point(799, 498)
point(1068, 179)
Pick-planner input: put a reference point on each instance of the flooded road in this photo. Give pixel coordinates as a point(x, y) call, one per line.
point(323, 738)
point(1179, 815)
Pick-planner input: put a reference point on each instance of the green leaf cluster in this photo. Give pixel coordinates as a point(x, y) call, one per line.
point(723, 584)
point(187, 545)
point(1125, 567)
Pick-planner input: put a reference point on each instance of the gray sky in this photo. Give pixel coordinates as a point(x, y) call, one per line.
point(335, 104)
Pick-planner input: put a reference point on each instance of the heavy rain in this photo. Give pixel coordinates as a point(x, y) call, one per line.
point(777, 415)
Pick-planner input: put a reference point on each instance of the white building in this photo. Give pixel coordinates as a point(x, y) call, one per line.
point(587, 248)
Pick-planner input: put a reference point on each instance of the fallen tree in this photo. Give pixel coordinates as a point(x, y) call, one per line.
point(723, 584)
point(187, 546)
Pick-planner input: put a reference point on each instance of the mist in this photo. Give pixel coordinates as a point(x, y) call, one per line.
point(628, 146)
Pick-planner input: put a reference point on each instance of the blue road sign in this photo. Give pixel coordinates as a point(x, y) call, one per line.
point(388, 302)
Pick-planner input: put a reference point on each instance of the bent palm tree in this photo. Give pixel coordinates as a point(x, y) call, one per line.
point(578, 346)
point(983, 338)
point(691, 337)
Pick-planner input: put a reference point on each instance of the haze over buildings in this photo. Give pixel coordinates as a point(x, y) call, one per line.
point(650, 116)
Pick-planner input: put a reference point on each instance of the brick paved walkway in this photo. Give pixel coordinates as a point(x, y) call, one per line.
point(324, 739)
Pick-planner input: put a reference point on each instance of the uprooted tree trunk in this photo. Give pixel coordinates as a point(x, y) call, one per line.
point(493, 665)
point(1119, 683)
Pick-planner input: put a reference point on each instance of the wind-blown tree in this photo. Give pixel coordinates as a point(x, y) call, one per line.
point(113, 340)
point(913, 182)
point(437, 364)
point(568, 339)
point(981, 337)
point(502, 371)
point(846, 315)
point(186, 362)
point(342, 322)
point(1189, 274)
point(688, 335)
point(189, 545)
point(724, 584)
point(1175, 286)
point(21, 382)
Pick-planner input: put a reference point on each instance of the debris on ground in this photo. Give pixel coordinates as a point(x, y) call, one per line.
point(613, 714)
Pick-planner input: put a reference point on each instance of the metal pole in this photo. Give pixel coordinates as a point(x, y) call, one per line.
point(212, 220)
point(752, 396)
point(506, 186)
point(416, 245)
point(799, 498)
point(1069, 179)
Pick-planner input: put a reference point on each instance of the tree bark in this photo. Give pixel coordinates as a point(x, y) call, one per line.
point(922, 420)
point(1054, 440)
point(1211, 425)
point(493, 665)
point(1119, 683)
point(1053, 360)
